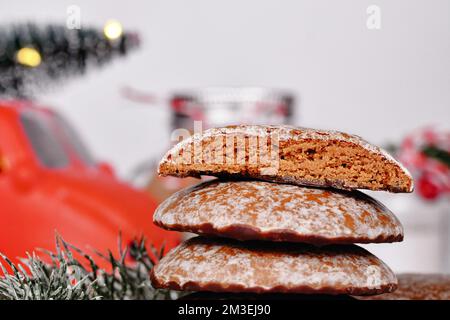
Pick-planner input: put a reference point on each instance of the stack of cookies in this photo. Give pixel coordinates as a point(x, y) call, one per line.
point(284, 215)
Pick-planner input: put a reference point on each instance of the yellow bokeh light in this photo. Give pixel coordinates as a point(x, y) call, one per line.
point(29, 57)
point(113, 29)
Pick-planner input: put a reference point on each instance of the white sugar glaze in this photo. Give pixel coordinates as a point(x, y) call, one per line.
point(284, 133)
point(264, 267)
point(270, 207)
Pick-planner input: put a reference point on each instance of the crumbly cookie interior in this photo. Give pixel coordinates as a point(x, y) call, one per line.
point(340, 163)
point(334, 163)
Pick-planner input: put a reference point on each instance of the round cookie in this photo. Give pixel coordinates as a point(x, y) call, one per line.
point(301, 156)
point(225, 265)
point(413, 286)
point(259, 210)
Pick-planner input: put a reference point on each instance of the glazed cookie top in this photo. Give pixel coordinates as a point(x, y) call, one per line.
point(279, 212)
point(413, 286)
point(220, 265)
point(284, 132)
point(288, 154)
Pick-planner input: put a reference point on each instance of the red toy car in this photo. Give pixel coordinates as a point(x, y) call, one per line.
point(49, 182)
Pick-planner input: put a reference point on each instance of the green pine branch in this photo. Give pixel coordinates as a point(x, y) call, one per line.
point(66, 278)
point(437, 154)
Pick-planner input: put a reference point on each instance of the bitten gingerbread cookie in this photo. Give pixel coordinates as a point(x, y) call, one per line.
point(287, 154)
point(279, 212)
point(224, 265)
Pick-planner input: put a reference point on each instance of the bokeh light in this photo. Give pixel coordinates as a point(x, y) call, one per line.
point(29, 57)
point(113, 29)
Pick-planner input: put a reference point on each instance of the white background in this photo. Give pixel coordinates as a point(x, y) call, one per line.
point(379, 84)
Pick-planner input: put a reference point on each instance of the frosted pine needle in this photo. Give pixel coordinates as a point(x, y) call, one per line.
point(66, 278)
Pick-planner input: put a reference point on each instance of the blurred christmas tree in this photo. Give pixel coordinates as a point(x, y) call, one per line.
point(32, 57)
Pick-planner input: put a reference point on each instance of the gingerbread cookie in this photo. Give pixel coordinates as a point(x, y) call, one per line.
point(225, 265)
point(259, 210)
point(414, 286)
point(288, 154)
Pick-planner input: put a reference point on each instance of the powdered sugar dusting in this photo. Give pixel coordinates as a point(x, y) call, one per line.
point(284, 133)
point(413, 286)
point(270, 267)
point(267, 207)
